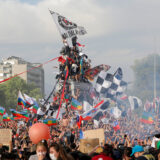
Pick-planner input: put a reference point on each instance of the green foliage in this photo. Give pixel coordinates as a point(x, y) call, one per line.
point(9, 92)
point(143, 69)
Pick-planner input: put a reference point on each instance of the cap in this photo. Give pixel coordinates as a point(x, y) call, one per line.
point(137, 149)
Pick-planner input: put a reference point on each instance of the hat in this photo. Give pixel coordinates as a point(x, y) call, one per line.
point(137, 149)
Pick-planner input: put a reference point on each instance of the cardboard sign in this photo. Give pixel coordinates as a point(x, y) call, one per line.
point(95, 133)
point(1, 118)
point(6, 137)
point(87, 145)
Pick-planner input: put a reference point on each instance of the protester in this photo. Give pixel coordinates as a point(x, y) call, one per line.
point(57, 152)
point(139, 153)
point(124, 140)
point(42, 152)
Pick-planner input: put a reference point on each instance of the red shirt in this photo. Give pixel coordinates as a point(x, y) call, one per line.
point(101, 157)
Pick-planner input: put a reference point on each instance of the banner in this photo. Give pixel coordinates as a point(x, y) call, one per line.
point(6, 138)
point(91, 73)
point(67, 28)
point(95, 133)
point(87, 145)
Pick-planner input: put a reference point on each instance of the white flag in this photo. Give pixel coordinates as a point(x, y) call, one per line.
point(135, 102)
point(67, 28)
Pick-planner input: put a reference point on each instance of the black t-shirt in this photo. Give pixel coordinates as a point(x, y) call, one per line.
point(146, 156)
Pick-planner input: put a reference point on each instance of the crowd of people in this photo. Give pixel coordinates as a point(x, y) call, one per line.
point(131, 140)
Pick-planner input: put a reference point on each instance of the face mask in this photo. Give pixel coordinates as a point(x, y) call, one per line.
point(52, 157)
point(41, 153)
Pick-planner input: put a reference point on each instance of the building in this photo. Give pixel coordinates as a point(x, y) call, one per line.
point(14, 65)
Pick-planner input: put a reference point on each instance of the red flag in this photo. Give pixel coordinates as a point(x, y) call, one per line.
point(61, 59)
point(80, 45)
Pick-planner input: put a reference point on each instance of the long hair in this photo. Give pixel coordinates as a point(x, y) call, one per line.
point(62, 153)
point(44, 144)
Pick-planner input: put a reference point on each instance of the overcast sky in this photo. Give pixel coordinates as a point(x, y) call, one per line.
point(119, 31)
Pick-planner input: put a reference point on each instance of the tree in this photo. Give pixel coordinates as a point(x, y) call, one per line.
point(9, 92)
point(143, 86)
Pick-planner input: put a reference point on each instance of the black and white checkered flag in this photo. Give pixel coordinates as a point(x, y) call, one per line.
point(110, 85)
point(104, 82)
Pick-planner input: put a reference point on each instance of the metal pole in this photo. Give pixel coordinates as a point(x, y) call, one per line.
point(155, 94)
point(50, 94)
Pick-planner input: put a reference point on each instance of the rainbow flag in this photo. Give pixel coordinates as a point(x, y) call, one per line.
point(147, 118)
point(19, 114)
point(21, 101)
point(2, 111)
point(50, 122)
point(75, 105)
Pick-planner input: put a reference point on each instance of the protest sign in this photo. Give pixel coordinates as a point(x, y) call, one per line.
point(6, 137)
point(96, 133)
point(87, 145)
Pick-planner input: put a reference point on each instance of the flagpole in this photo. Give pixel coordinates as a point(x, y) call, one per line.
point(155, 77)
point(155, 82)
point(46, 101)
point(17, 100)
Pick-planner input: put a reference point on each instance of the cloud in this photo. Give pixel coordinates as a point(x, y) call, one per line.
point(28, 23)
point(118, 31)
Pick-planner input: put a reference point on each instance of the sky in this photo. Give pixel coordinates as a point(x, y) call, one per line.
point(118, 31)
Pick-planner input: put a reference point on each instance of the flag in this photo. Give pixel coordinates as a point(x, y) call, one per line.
point(19, 114)
point(61, 59)
point(66, 97)
point(86, 106)
point(118, 86)
point(75, 105)
point(7, 119)
point(81, 135)
point(104, 81)
point(92, 112)
point(67, 28)
point(33, 105)
point(80, 45)
point(102, 108)
point(147, 118)
point(116, 126)
point(110, 85)
point(135, 102)
point(81, 66)
point(88, 99)
point(78, 121)
point(50, 122)
point(2, 111)
point(21, 101)
point(28, 99)
point(90, 74)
